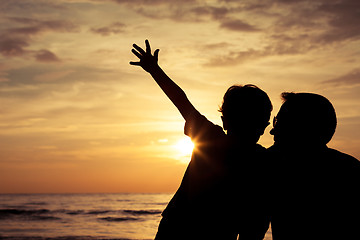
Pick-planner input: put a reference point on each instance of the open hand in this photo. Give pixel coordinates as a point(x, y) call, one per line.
point(147, 61)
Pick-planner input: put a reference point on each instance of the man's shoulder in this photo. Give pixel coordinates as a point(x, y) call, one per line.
point(343, 157)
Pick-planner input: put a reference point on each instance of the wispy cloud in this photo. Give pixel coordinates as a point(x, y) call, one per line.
point(147, 2)
point(278, 45)
point(46, 56)
point(299, 28)
point(35, 26)
point(350, 79)
point(114, 28)
point(327, 21)
point(343, 18)
point(232, 58)
point(13, 46)
point(215, 12)
point(16, 40)
point(238, 25)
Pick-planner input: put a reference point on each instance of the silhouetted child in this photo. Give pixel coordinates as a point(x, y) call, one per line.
point(314, 189)
point(221, 194)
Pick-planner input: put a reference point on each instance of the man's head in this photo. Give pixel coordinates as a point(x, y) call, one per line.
point(304, 119)
point(246, 112)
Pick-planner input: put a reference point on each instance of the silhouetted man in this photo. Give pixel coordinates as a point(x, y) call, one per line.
point(315, 189)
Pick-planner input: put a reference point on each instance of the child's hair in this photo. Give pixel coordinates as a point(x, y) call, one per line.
point(247, 102)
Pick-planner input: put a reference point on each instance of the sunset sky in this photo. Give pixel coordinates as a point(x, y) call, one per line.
point(76, 117)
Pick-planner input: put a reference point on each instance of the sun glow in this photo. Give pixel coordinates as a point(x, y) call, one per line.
point(185, 147)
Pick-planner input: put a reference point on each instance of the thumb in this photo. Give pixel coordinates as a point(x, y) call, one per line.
point(156, 54)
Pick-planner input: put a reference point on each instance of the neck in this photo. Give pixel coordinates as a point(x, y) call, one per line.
point(242, 139)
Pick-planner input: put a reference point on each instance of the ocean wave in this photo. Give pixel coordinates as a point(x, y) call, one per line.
point(36, 214)
point(142, 212)
point(37, 203)
point(43, 218)
point(97, 212)
point(72, 212)
point(118, 219)
point(59, 238)
point(46, 214)
point(32, 215)
point(102, 212)
point(23, 211)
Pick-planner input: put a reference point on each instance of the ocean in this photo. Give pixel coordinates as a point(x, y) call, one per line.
point(81, 216)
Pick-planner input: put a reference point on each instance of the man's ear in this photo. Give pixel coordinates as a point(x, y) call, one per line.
point(225, 123)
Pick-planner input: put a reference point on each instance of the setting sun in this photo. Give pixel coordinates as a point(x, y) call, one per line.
point(185, 147)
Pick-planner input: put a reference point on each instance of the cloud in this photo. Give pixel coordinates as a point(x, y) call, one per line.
point(114, 28)
point(220, 45)
point(177, 10)
point(46, 56)
point(327, 22)
point(213, 11)
point(334, 21)
point(53, 75)
point(350, 79)
point(238, 25)
point(156, 2)
point(324, 22)
point(34, 26)
point(15, 40)
point(13, 46)
point(290, 27)
point(331, 21)
point(343, 19)
point(195, 11)
point(278, 45)
point(235, 57)
point(3, 73)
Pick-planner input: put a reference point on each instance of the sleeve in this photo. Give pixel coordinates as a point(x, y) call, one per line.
point(200, 129)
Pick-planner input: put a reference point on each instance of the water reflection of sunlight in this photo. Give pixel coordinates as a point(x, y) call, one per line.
point(184, 147)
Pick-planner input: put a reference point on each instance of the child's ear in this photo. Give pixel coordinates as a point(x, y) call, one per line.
point(225, 123)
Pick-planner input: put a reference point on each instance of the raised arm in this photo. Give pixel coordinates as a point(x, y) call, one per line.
point(149, 63)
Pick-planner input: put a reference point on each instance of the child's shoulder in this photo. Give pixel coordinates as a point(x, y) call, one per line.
point(200, 128)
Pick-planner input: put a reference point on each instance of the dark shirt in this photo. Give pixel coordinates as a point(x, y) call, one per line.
point(222, 191)
point(315, 195)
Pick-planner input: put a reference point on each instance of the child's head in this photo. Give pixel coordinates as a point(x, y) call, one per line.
point(246, 111)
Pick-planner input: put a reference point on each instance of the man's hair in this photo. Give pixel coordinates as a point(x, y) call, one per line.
point(312, 113)
point(248, 102)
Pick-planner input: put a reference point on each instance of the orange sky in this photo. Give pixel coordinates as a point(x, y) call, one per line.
point(76, 117)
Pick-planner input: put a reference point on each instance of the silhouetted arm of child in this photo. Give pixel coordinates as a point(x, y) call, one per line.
point(149, 63)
